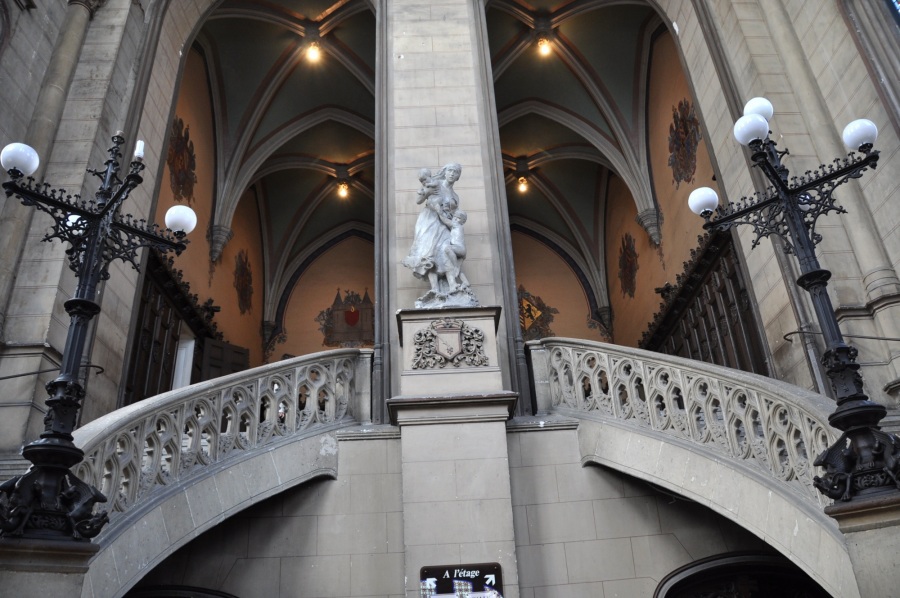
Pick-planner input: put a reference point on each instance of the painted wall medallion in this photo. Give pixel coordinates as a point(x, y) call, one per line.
point(243, 281)
point(349, 322)
point(448, 342)
point(182, 162)
point(628, 265)
point(535, 316)
point(684, 137)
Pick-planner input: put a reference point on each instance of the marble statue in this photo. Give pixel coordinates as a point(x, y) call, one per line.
point(439, 247)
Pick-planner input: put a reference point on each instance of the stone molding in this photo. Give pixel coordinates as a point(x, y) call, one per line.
point(92, 6)
point(860, 514)
point(457, 409)
point(45, 556)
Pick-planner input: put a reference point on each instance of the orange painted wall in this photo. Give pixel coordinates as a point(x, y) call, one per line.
point(346, 266)
point(668, 86)
point(544, 274)
point(630, 314)
point(656, 265)
point(208, 280)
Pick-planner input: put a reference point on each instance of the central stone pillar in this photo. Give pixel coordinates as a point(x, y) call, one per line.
point(457, 505)
point(439, 109)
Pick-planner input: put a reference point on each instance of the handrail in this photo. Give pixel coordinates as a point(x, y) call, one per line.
point(136, 452)
point(770, 426)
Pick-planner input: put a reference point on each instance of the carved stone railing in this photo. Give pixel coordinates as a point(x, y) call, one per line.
point(138, 452)
point(770, 426)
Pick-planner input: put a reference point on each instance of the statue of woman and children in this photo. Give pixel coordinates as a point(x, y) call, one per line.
point(438, 249)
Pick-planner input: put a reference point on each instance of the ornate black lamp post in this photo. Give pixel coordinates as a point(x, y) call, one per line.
point(49, 501)
point(864, 460)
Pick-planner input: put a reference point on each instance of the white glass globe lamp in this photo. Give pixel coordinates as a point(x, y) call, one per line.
point(760, 106)
point(181, 219)
point(703, 201)
point(20, 157)
point(859, 133)
point(749, 128)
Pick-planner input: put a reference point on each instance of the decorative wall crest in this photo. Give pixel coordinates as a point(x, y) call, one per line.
point(243, 281)
point(535, 316)
point(684, 137)
point(448, 342)
point(628, 265)
point(182, 162)
point(349, 322)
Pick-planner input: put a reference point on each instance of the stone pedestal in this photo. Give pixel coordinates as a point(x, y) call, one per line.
point(449, 351)
point(457, 505)
point(872, 529)
point(40, 568)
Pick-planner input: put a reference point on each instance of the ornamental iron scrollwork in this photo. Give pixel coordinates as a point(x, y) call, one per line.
point(448, 342)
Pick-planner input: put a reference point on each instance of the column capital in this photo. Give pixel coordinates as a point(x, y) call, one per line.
point(91, 5)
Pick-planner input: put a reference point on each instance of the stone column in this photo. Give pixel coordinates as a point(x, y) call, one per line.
point(880, 281)
point(438, 108)
point(457, 502)
point(16, 218)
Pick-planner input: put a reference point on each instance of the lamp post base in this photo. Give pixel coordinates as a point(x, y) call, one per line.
point(49, 501)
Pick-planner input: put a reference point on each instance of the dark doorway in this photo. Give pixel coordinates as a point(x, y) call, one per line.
point(739, 575)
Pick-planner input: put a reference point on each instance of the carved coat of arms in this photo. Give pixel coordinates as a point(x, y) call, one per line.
point(684, 137)
point(182, 162)
point(628, 265)
point(449, 342)
point(243, 281)
point(535, 316)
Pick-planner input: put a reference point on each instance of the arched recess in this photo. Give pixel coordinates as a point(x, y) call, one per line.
point(796, 528)
point(596, 310)
point(153, 533)
point(575, 105)
point(289, 152)
point(757, 574)
point(318, 256)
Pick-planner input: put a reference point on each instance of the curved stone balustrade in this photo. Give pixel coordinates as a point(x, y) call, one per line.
point(137, 452)
point(772, 427)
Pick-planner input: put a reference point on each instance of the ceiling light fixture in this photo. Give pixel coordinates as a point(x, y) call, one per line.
point(313, 53)
point(343, 189)
point(523, 184)
point(544, 46)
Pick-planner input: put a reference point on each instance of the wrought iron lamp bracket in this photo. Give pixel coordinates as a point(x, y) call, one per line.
point(804, 198)
point(75, 219)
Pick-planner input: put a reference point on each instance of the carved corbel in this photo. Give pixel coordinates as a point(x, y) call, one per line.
point(218, 236)
point(604, 317)
point(651, 221)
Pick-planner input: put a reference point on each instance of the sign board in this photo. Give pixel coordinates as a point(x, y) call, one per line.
point(482, 580)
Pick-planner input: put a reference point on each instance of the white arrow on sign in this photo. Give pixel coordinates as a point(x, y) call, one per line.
point(491, 579)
